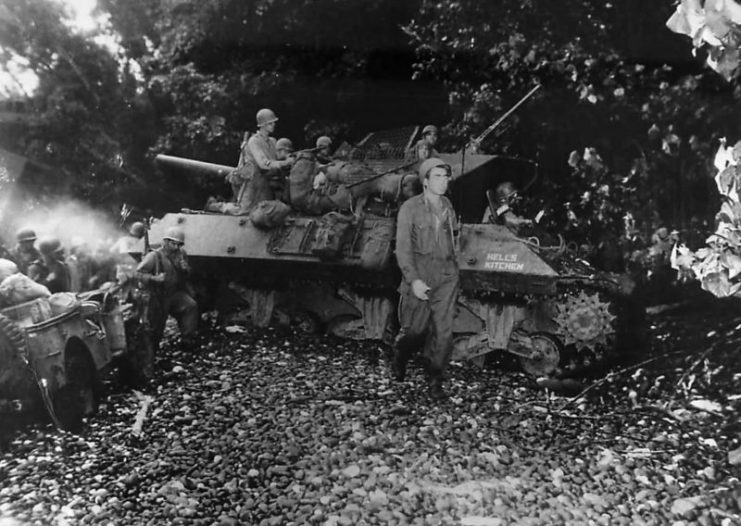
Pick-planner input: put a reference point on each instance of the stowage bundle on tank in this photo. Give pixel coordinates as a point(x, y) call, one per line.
point(327, 262)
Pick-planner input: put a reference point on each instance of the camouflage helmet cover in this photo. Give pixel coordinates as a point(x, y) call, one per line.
point(323, 142)
point(430, 128)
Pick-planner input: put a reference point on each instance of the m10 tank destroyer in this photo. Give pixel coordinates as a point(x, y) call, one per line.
point(539, 303)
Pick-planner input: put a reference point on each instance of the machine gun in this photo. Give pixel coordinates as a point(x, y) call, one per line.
point(475, 142)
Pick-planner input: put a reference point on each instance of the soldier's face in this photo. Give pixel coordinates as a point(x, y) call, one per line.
point(431, 138)
point(438, 180)
point(172, 246)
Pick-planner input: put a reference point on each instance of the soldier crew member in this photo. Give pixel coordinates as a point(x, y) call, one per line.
point(505, 212)
point(323, 144)
point(425, 147)
point(24, 252)
point(163, 274)
point(262, 155)
point(425, 251)
point(50, 269)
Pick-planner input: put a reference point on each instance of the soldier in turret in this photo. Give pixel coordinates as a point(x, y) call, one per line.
point(24, 252)
point(323, 144)
point(425, 147)
point(505, 212)
point(279, 180)
point(426, 253)
point(283, 148)
point(262, 154)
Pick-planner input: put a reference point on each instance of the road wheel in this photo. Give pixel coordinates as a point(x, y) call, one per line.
point(79, 397)
point(548, 351)
point(306, 322)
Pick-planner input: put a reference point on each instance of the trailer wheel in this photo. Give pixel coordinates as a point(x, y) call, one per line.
point(80, 396)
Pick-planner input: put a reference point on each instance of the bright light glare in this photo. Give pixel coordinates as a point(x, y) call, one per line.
point(82, 14)
point(18, 79)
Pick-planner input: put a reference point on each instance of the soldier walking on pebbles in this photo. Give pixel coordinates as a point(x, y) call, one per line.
point(425, 251)
point(163, 275)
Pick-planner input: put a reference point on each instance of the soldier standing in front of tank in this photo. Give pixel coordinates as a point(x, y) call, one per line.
point(262, 155)
point(163, 276)
point(25, 252)
point(426, 253)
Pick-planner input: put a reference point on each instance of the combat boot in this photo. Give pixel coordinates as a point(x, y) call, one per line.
point(435, 387)
point(398, 365)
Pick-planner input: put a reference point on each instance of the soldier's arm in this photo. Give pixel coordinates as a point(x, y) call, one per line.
point(34, 272)
point(261, 158)
point(404, 244)
point(183, 262)
point(145, 270)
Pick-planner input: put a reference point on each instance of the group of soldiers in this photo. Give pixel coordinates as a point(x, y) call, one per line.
point(160, 279)
point(48, 262)
point(265, 172)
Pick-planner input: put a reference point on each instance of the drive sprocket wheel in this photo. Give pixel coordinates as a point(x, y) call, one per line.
point(585, 321)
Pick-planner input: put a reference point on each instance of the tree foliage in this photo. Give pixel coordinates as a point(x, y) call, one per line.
point(611, 74)
point(84, 116)
point(188, 77)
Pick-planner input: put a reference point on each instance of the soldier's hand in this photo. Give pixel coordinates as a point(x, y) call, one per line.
point(420, 290)
point(158, 278)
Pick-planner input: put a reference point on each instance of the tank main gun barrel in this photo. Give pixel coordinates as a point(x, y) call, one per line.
point(183, 166)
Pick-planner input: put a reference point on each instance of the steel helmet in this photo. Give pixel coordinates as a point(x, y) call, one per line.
point(284, 144)
point(429, 164)
point(49, 245)
point(137, 229)
point(175, 233)
point(266, 116)
point(323, 142)
point(430, 128)
point(26, 234)
point(505, 191)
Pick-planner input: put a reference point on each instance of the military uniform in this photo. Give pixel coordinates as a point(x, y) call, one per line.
point(24, 258)
point(261, 156)
point(172, 296)
point(425, 250)
point(54, 275)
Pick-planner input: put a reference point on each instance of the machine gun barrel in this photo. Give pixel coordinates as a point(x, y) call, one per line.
point(180, 165)
point(501, 119)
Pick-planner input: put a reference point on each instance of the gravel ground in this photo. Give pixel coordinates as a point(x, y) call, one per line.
point(271, 428)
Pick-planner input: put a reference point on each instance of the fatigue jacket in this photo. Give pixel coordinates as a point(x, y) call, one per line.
point(261, 152)
point(24, 258)
point(175, 267)
point(425, 242)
